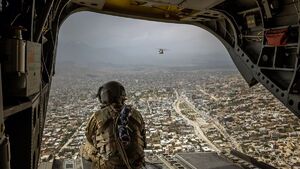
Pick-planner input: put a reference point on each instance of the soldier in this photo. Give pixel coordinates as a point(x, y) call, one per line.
point(115, 135)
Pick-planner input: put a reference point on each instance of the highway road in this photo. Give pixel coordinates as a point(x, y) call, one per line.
point(196, 125)
point(214, 121)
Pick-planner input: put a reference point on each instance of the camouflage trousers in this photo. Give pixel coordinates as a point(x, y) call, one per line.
point(90, 153)
point(107, 165)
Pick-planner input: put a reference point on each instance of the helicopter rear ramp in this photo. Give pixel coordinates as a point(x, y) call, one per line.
point(202, 160)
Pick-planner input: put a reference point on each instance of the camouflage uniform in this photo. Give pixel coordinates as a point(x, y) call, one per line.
point(101, 147)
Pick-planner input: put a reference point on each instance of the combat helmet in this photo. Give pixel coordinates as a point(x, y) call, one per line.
point(111, 92)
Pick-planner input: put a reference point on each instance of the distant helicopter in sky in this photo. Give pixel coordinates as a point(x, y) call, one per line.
point(161, 51)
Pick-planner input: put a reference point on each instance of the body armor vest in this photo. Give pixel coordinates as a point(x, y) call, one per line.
point(105, 140)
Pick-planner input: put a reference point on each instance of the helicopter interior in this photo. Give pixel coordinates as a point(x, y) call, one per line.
point(261, 36)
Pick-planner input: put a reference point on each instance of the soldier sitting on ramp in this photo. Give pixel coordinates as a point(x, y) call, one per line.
point(115, 135)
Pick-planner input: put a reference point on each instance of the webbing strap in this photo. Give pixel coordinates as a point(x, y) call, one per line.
point(120, 145)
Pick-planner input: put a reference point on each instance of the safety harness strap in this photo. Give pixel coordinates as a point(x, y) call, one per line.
point(120, 145)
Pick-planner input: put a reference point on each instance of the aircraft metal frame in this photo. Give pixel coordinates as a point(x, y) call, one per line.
point(241, 25)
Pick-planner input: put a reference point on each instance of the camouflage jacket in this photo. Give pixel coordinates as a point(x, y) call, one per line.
point(100, 134)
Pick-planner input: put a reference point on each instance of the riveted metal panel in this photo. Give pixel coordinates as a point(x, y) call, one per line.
point(33, 56)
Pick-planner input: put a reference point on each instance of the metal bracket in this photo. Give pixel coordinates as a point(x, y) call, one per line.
point(266, 6)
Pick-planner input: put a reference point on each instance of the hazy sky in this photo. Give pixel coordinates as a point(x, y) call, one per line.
point(90, 39)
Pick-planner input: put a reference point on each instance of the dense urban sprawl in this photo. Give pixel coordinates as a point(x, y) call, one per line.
point(187, 111)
